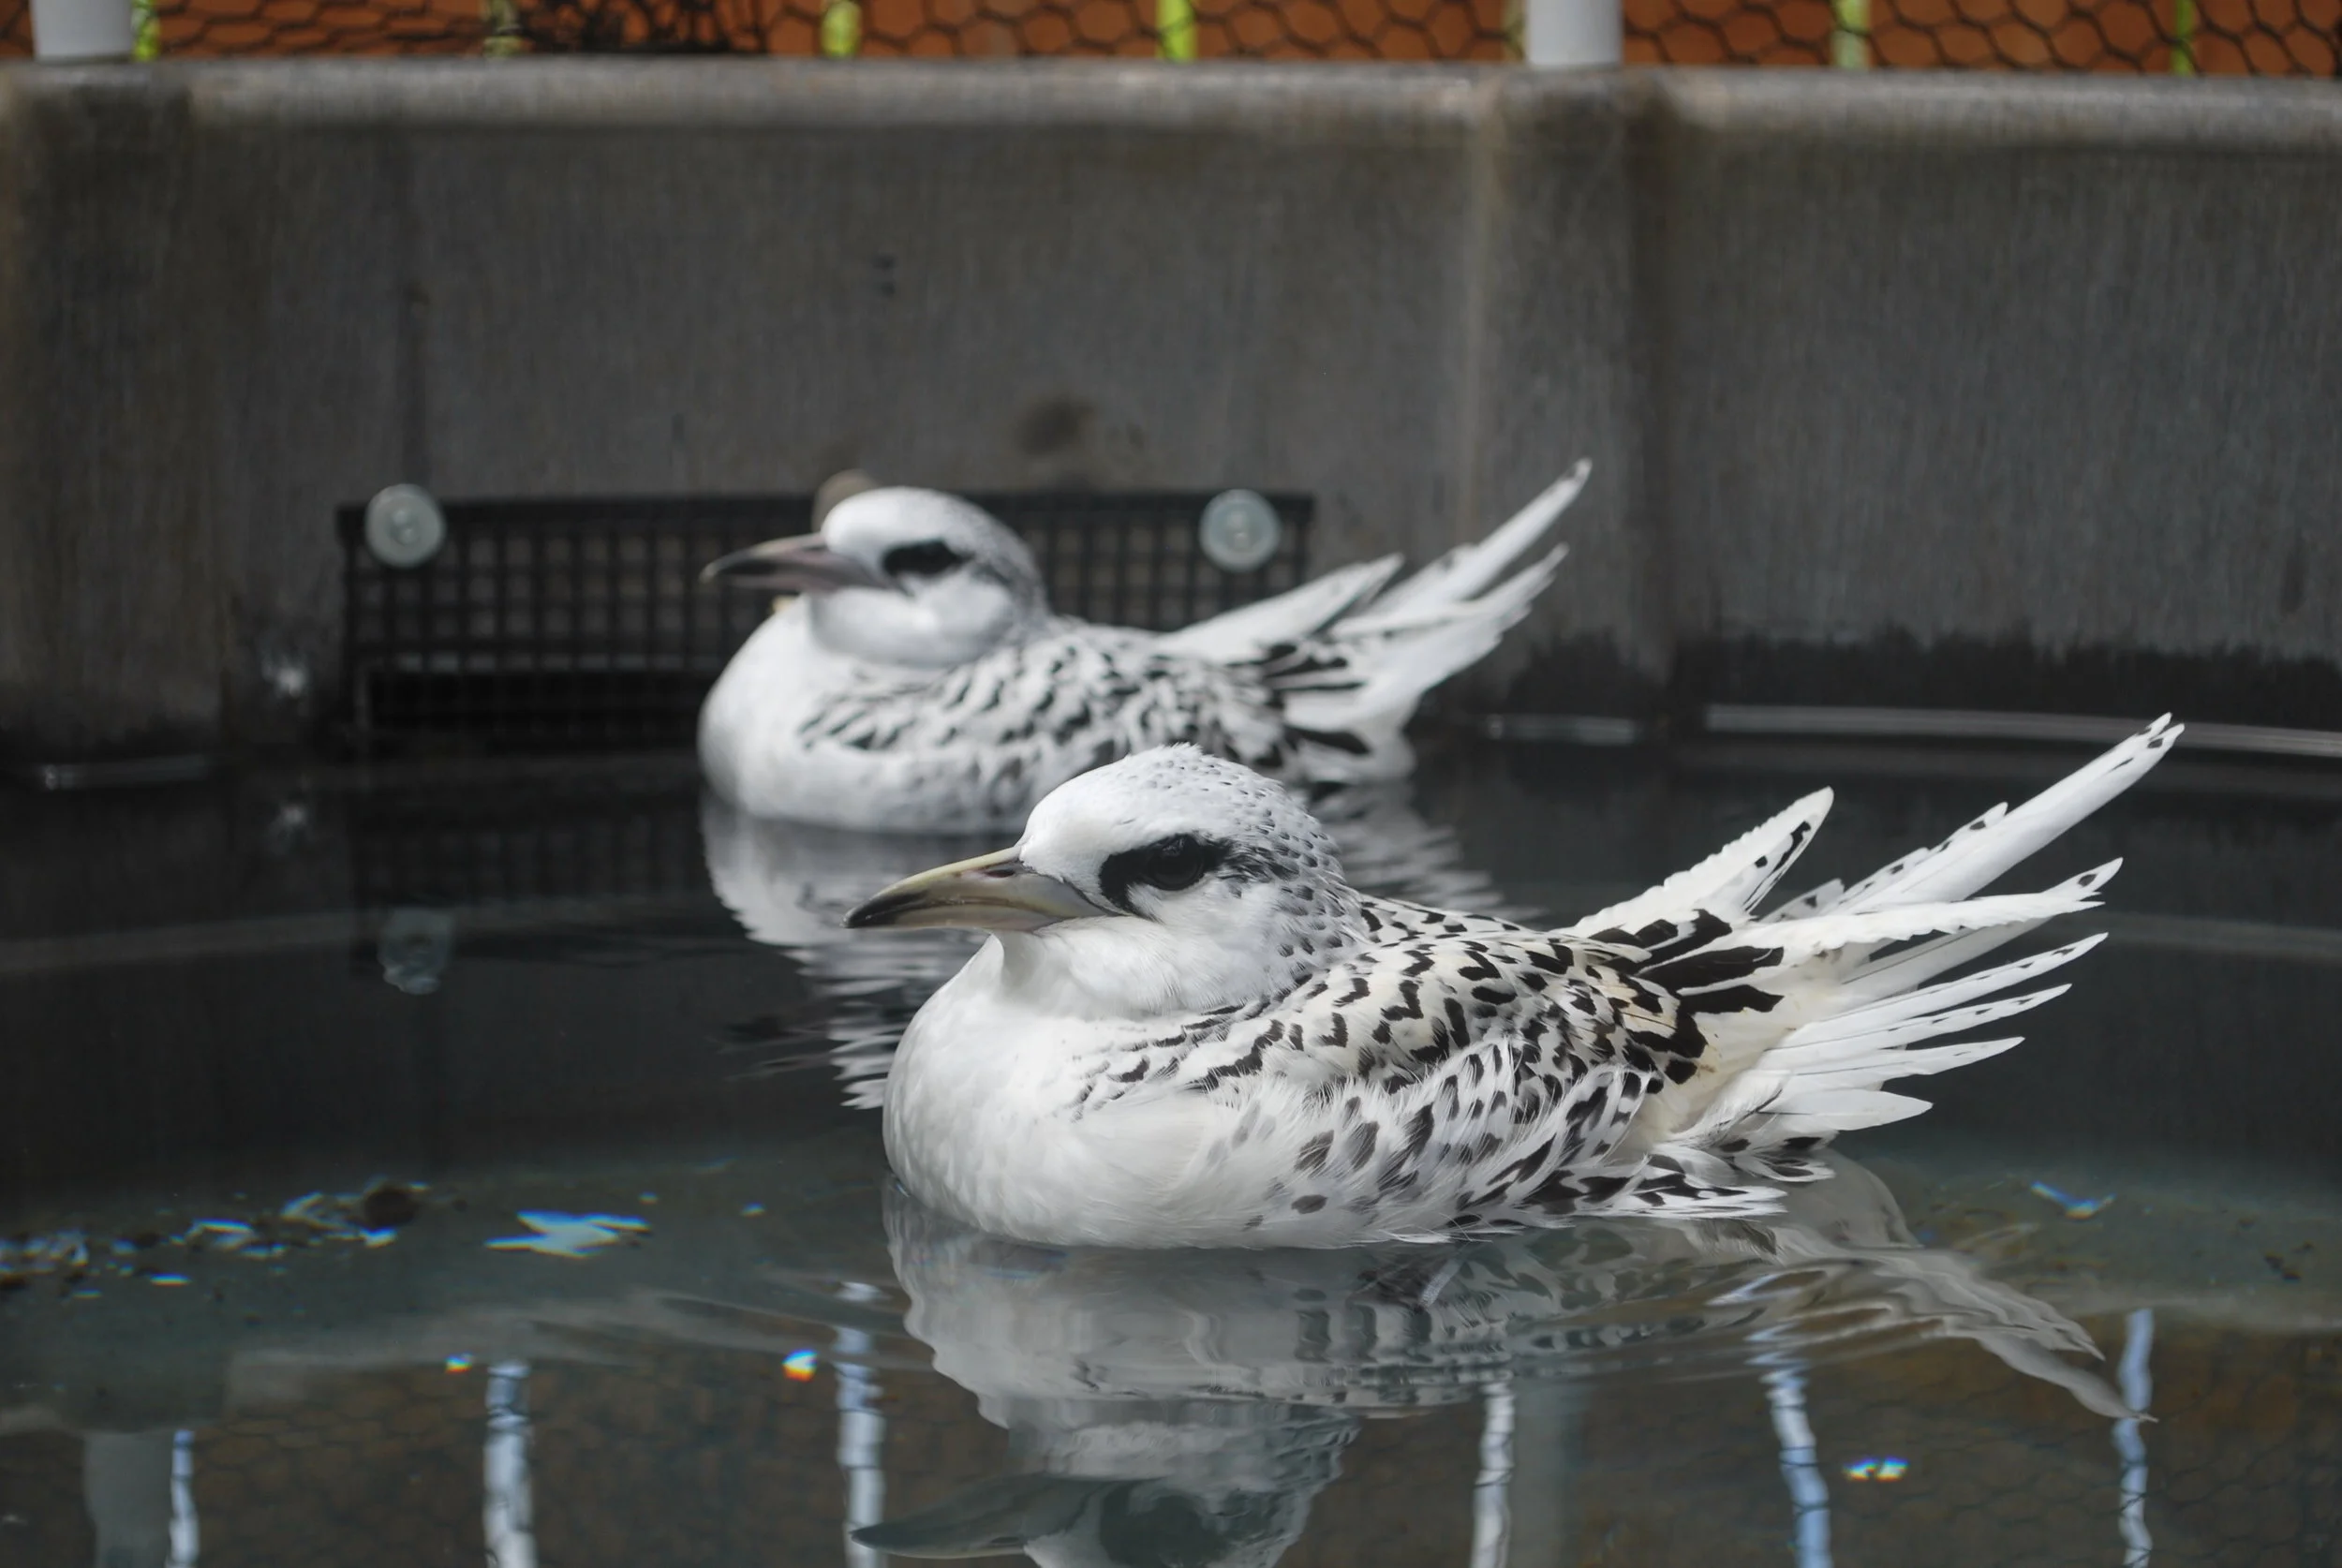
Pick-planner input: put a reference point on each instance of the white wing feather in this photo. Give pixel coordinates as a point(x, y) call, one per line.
point(1250, 631)
point(1837, 1016)
point(1465, 571)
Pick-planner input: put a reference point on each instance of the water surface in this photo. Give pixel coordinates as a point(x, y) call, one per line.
point(578, 989)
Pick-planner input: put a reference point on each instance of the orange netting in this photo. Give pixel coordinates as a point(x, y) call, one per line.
point(1256, 29)
point(2240, 37)
point(2224, 38)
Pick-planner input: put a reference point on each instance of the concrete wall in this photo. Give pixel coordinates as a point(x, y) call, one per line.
point(2030, 384)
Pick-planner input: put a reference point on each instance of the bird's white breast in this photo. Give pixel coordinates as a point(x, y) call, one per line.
point(982, 1122)
point(993, 1117)
point(750, 718)
point(755, 750)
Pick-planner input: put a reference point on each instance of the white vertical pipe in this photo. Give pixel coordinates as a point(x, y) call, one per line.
point(68, 30)
point(861, 1432)
point(1572, 32)
point(509, 1517)
point(1785, 1391)
point(2138, 1387)
point(187, 1541)
point(1491, 1500)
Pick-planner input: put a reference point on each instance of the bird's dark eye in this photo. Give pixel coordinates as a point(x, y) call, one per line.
point(930, 558)
point(1170, 864)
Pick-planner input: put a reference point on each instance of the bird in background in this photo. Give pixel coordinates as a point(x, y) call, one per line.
point(1188, 1029)
point(920, 681)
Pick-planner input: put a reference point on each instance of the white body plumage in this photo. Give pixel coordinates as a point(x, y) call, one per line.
point(1188, 1029)
point(921, 682)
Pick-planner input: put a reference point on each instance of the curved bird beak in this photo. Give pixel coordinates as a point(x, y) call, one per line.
point(991, 893)
point(802, 565)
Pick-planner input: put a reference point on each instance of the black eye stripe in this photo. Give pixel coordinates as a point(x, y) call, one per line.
point(928, 558)
point(1170, 864)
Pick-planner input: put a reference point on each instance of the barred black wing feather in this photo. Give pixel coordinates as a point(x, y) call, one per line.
point(1458, 1081)
point(1012, 725)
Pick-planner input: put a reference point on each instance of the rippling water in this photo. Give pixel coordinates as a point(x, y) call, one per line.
point(579, 993)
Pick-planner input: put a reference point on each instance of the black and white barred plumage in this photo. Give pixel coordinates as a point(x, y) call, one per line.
point(922, 683)
point(1191, 1030)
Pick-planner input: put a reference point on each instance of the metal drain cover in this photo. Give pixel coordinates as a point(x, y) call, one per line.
point(1240, 531)
point(404, 528)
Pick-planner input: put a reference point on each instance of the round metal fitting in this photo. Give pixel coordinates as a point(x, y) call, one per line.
point(1241, 530)
point(415, 947)
point(404, 528)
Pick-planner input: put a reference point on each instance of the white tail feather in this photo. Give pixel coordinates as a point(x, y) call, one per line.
point(1393, 669)
point(1932, 1001)
point(1908, 967)
point(1250, 631)
point(1997, 840)
point(1835, 1017)
point(1812, 901)
point(1844, 1110)
point(1885, 1046)
point(1464, 572)
point(1799, 942)
point(1388, 670)
point(1907, 1064)
point(1734, 880)
point(1349, 669)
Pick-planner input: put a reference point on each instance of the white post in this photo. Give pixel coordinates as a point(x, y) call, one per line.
point(1809, 1495)
point(509, 1516)
point(1491, 1491)
point(2138, 1387)
point(66, 30)
point(861, 1432)
point(1572, 32)
point(187, 1540)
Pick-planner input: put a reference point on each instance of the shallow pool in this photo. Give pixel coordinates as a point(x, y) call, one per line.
point(290, 1054)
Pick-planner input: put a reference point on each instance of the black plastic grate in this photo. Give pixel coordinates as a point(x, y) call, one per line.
point(584, 624)
point(527, 838)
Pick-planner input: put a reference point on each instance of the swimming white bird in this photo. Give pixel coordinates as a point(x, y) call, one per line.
point(1188, 1029)
point(790, 885)
point(920, 681)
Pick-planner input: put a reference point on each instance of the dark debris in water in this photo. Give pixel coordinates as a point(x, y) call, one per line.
point(387, 1206)
point(369, 1218)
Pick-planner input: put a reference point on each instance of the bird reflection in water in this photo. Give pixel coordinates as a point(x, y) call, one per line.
point(1185, 1407)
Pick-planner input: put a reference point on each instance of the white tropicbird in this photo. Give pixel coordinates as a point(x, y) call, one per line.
point(1188, 1029)
point(921, 682)
point(790, 885)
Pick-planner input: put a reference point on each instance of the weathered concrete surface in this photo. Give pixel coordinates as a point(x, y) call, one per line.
point(2044, 369)
point(2048, 370)
point(110, 590)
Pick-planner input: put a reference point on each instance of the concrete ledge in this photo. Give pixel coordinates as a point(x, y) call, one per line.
point(1975, 109)
point(1875, 372)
